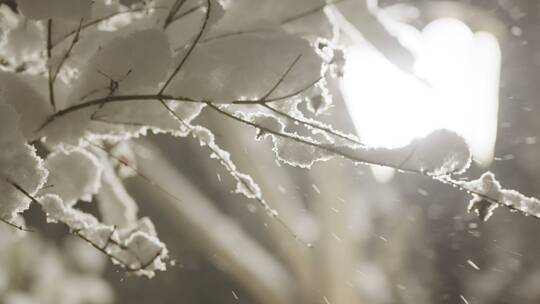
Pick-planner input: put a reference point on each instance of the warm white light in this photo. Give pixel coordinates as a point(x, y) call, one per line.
point(460, 91)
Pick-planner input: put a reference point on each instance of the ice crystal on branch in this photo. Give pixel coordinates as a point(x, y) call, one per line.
point(488, 194)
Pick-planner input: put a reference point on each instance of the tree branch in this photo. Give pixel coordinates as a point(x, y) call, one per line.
point(328, 148)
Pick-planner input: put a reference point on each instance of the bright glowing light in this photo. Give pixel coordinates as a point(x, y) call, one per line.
point(460, 93)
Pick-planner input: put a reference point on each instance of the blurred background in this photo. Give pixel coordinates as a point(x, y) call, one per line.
point(378, 237)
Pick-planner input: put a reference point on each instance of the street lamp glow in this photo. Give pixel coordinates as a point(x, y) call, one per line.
point(455, 87)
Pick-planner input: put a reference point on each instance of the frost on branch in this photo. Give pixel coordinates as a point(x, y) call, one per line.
point(18, 164)
point(245, 184)
point(287, 149)
point(487, 194)
point(136, 249)
point(128, 242)
point(440, 153)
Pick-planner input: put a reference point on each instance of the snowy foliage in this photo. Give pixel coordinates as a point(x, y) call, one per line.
point(105, 72)
point(18, 164)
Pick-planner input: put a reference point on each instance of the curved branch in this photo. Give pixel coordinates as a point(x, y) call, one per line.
point(328, 148)
point(111, 99)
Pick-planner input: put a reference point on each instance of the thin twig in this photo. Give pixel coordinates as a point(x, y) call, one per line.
point(191, 48)
point(264, 103)
point(230, 34)
point(104, 119)
point(125, 265)
point(281, 78)
point(68, 52)
point(177, 5)
point(101, 19)
point(157, 97)
point(186, 13)
point(111, 99)
point(20, 189)
point(280, 98)
point(326, 129)
point(49, 64)
point(238, 33)
point(3, 220)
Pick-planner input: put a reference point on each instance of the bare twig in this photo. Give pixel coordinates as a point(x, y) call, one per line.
point(230, 34)
point(177, 5)
point(68, 52)
point(191, 47)
point(281, 78)
point(157, 97)
point(104, 119)
point(49, 64)
point(20, 189)
point(281, 98)
point(186, 13)
point(111, 99)
point(264, 103)
point(125, 265)
point(15, 225)
point(101, 19)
